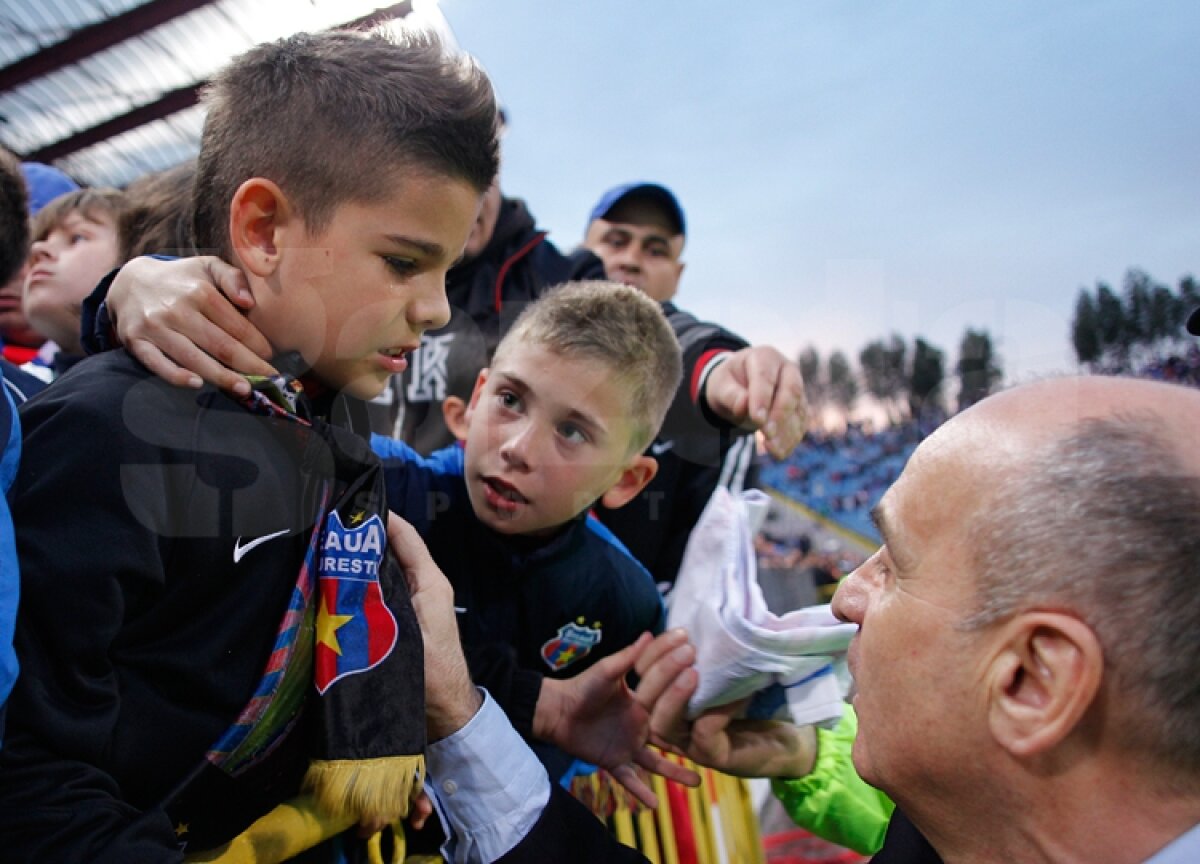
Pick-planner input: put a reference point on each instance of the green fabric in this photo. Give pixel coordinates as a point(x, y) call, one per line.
point(833, 802)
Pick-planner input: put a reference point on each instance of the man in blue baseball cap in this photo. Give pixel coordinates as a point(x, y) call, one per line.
point(638, 230)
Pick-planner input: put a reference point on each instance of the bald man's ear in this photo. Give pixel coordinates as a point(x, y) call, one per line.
point(1042, 681)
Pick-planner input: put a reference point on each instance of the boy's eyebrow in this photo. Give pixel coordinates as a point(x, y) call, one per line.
point(588, 420)
point(433, 250)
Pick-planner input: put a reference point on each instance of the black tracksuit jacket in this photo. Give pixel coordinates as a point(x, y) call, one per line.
point(148, 611)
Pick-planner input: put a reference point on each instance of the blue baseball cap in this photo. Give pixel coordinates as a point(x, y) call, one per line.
point(652, 192)
point(45, 183)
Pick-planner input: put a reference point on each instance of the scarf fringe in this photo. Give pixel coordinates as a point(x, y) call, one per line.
point(366, 789)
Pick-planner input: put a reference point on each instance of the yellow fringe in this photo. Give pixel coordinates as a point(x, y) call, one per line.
point(366, 789)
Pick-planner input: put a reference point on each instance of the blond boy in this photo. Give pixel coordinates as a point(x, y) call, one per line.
point(558, 422)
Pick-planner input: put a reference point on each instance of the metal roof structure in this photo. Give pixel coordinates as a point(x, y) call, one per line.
point(107, 90)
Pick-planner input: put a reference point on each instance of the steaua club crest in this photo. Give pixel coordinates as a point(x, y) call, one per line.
point(356, 631)
point(573, 642)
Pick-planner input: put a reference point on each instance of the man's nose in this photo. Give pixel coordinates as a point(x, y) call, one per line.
point(850, 600)
point(629, 259)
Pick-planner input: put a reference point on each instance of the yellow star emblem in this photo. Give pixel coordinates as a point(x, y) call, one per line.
point(181, 829)
point(327, 627)
point(358, 517)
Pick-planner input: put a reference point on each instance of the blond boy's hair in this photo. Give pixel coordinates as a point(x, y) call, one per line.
point(615, 325)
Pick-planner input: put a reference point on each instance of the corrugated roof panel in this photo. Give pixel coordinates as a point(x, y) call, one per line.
point(118, 79)
point(26, 27)
point(265, 22)
point(152, 147)
point(87, 95)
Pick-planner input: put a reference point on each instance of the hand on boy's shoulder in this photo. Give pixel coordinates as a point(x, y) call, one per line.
point(758, 388)
point(185, 321)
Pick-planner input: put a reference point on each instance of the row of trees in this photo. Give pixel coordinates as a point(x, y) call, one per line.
point(905, 383)
point(1123, 330)
point(1126, 329)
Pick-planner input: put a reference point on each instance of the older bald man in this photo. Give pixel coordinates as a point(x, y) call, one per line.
point(1027, 668)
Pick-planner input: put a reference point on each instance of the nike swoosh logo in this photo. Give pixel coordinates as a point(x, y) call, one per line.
point(659, 448)
point(239, 551)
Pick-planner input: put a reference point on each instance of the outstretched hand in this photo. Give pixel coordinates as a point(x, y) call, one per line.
point(759, 388)
point(718, 738)
point(184, 320)
point(596, 717)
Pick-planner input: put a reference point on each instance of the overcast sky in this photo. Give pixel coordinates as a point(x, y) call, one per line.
point(849, 169)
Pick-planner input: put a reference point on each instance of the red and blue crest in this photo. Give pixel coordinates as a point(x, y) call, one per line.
point(355, 629)
point(573, 642)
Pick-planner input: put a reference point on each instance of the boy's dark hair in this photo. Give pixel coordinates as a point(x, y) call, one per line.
point(14, 216)
point(330, 117)
point(90, 202)
point(159, 215)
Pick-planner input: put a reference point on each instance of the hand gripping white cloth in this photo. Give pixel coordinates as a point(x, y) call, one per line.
point(742, 648)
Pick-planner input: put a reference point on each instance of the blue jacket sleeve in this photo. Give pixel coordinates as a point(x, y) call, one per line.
point(10, 434)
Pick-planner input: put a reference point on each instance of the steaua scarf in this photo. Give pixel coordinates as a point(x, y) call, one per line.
point(341, 699)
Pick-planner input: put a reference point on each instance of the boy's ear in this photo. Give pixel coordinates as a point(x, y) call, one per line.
point(257, 214)
point(632, 481)
point(480, 381)
point(1042, 681)
point(454, 413)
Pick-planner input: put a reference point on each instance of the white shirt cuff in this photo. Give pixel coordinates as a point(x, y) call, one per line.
point(487, 785)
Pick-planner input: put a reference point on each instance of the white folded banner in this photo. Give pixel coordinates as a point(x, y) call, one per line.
point(794, 661)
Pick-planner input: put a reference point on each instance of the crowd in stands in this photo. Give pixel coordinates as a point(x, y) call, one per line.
point(842, 475)
point(1177, 367)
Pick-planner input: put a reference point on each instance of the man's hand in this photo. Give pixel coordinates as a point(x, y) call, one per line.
point(451, 700)
point(180, 320)
point(743, 748)
point(759, 388)
point(594, 716)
